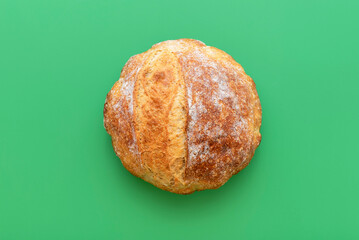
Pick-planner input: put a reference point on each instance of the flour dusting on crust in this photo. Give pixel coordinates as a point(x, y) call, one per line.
point(124, 105)
point(216, 129)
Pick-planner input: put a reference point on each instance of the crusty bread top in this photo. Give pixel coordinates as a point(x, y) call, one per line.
point(183, 116)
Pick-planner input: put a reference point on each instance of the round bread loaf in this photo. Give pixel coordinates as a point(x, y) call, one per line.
point(183, 116)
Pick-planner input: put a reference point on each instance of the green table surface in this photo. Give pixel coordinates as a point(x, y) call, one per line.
point(60, 178)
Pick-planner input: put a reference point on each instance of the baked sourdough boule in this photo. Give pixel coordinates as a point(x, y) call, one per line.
point(183, 116)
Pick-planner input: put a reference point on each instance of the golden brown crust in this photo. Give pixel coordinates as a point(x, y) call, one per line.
point(184, 116)
point(159, 123)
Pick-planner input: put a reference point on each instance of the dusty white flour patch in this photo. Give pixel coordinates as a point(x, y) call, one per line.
point(125, 105)
point(207, 84)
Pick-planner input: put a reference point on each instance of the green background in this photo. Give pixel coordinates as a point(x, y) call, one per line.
point(59, 176)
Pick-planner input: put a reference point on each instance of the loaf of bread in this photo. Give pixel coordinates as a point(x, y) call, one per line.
point(183, 116)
